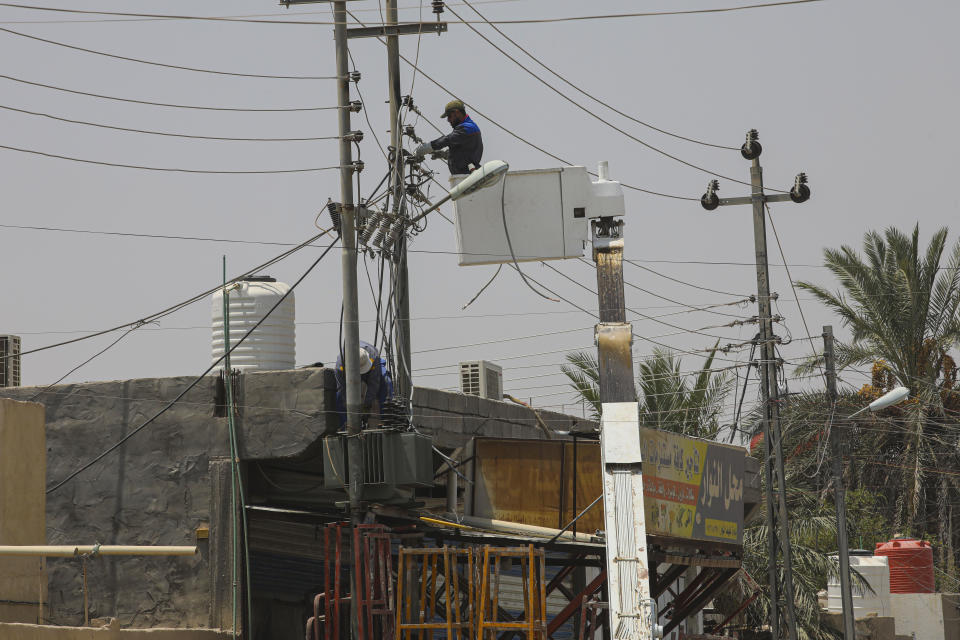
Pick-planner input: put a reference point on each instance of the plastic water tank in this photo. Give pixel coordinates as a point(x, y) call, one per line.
point(911, 565)
point(272, 344)
point(876, 572)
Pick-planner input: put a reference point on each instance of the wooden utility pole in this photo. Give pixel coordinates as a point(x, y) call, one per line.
point(783, 622)
point(839, 497)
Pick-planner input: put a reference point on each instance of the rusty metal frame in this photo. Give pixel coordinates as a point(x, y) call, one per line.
point(697, 594)
point(369, 556)
point(458, 620)
point(592, 617)
point(533, 621)
point(576, 604)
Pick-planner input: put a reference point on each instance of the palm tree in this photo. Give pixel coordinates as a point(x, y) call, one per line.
point(674, 402)
point(901, 307)
point(669, 400)
point(811, 520)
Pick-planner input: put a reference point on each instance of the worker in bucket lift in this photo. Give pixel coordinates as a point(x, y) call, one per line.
point(465, 141)
point(376, 386)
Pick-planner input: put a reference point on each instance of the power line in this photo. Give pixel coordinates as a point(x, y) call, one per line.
point(307, 323)
point(590, 95)
point(645, 14)
point(235, 17)
point(642, 315)
point(161, 64)
point(590, 113)
point(163, 104)
point(424, 251)
point(165, 169)
point(634, 333)
point(123, 335)
point(195, 382)
point(792, 287)
point(162, 133)
point(516, 135)
point(180, 305)
point(704, 308)
point(499, 340)
point(684, 282)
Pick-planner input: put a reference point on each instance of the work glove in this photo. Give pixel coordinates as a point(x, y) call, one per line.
point(423, 150)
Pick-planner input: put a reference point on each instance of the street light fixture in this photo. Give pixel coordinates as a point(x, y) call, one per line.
point(899, 394)
point(486, 176)
point(888, 399)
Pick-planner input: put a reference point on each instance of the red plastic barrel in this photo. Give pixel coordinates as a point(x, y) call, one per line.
point(911, 565)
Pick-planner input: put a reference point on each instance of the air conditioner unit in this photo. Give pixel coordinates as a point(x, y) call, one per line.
point(481, 378)
point(391, 460)
point(9, 361)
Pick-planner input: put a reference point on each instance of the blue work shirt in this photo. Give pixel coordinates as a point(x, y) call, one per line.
point(466, 146)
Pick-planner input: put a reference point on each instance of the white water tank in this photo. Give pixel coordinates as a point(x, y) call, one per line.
point(876, 572)
point(272, 344)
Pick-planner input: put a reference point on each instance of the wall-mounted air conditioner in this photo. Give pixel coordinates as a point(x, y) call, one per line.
point(481, 378)
point(9, 361)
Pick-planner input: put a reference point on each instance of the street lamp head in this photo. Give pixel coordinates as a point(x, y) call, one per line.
point(486, 176)
point(890, 398)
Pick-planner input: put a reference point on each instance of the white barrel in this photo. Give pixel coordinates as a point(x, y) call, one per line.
point(876, 572)
point(272, 344)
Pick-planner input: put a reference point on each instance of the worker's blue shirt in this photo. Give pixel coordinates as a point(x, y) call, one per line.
point(466, 146)
point(377, 383)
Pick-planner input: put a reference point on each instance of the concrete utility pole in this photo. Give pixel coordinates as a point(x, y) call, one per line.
point(782, 600)
point(836, 445)
point(348, 266)
point(401, 296)
point(628, 577)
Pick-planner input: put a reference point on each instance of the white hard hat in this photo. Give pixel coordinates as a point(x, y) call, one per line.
point(364, 362)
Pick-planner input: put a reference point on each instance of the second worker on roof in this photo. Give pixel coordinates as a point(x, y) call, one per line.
point(465, 141)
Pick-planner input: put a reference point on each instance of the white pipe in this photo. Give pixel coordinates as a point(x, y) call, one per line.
point(70, 550)
point(516, 527)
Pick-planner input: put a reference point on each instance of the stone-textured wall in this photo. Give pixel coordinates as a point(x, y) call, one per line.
point(173, 477)
point(37, 632)
point(157, 488)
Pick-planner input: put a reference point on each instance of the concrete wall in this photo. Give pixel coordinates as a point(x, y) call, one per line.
point(453, 418)
point(927, 616)
point(37, 632)
point(173, 477)
point(22, 508)
point(159, 487)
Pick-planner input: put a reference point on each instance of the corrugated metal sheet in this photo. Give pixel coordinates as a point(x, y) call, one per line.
point(285, 576)
point(285, 537)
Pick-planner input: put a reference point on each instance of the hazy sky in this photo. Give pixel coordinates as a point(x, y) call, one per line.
point(862, 96)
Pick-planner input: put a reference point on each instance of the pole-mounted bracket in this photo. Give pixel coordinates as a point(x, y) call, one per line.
point(607, 235)
point(413, 28)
